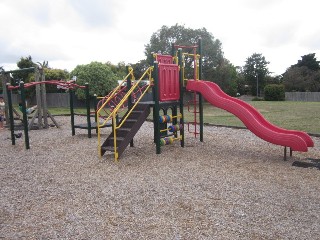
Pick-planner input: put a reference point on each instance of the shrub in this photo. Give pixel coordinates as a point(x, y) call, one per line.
point(257, 99)
point(274, 92)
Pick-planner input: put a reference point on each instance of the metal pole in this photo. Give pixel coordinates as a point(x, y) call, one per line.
point(71, 94)
point(199, 94)
point(257, 85)
point(156, 108)
point(181, 96)
point(25, 117)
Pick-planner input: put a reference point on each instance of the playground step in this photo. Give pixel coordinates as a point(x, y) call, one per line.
point(119, 139)
point(107, 148)
point(128, 130)
point(124, 129)
point(129, 123)
point(131, 120)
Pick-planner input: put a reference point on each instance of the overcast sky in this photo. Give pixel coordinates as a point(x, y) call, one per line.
point(71, 32)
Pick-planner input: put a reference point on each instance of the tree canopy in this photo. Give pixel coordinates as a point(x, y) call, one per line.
point(255, 72)
point(214, 66)
point(304, 75)
point(100, 77)
point(162, 40)
point(308, 61)
point(25, 76)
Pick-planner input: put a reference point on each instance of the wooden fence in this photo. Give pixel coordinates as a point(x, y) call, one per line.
point(303, 96)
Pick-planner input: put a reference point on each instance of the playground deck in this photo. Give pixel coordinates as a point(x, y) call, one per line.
point(232, 186)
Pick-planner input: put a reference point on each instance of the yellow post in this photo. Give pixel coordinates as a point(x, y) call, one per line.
point(114, 126)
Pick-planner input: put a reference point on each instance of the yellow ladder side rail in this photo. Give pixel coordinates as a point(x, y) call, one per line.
point(133, 107)
point(116, 109)
point(116, 155)
point(103, 105)
point(114, 92)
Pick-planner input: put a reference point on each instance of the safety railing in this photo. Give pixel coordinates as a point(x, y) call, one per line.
point(112, 116)
point(112, 95)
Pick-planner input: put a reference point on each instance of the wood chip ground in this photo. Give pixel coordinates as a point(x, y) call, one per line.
point(231, 186)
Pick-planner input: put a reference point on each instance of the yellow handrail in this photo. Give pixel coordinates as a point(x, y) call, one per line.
point(113, 94)
point(123, 120)
point(114, 112)
point(124, 99)
point(130, 73)
point(138, 100)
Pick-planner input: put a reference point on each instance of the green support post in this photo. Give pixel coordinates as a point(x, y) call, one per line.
point(88, 109)
point(11, 117)
point(200, 95)
point(172, 50)
point(156, 108)
point(153, 107)
point(25, 117)
point(71, 94)
point(181, 96)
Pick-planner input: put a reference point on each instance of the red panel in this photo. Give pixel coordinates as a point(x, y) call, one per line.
point(166, 59)
point(169, 88)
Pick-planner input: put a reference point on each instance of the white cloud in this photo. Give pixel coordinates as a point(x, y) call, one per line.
point(72, 32)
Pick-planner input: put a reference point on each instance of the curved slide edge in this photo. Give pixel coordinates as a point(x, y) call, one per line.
point(261, 118)
point(252, 119)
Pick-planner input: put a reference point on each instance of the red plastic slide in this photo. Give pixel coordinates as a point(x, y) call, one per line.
point(252, 119)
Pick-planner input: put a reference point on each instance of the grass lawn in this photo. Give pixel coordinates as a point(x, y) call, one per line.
point(304, 116)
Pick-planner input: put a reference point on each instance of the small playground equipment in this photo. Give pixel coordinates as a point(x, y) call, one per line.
point(168, 83)
point(89, 125)
point(41, 112)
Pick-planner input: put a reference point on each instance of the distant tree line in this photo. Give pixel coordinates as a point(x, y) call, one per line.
point(251, 78)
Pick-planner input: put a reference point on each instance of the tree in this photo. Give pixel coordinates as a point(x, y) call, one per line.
point(139, 68)
point(255, 72)
point(44, 64)
point(303, 76)
point(55, 74)
point(301, 79)
point(119, 70)
point(308, 61)
point(25, 76)
point(100, 77)
point(225, 75)
point(162, 40)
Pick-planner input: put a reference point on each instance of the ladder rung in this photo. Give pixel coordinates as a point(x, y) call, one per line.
point(124, 129)
point(108, 148)
point(118, 138)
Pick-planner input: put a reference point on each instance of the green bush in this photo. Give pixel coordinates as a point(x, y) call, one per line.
point(274, 92)
point(257, 99)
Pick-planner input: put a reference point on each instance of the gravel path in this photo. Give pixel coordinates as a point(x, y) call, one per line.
point(231, 186)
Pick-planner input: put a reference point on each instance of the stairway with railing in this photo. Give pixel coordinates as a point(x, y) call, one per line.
point(123, 97)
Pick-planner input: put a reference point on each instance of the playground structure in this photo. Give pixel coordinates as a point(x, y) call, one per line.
point(41, 112)
point(168, 83)
point(166, 79)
